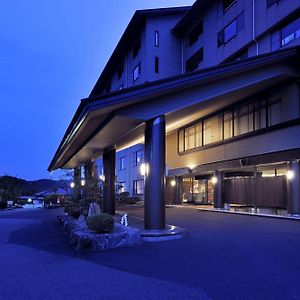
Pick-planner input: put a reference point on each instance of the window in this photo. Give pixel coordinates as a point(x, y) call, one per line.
point(228, 125)
point(120, 71)
point(136, 72)
point(195, 33)
point(256, 114)
point(274, 109)
point(156, 39)
point(290, 32)
point(138, 157)
point(193, 62)
point(231, 30)
point(243, 119)
point(228, 4)
point(285, 35)
point(136, 48)
point(212, 130)
point(239, 56)
point(138, 187)
point(224, 5)
point(156, 65)
point(260, 108)
point(122, 163)
point(272, 2)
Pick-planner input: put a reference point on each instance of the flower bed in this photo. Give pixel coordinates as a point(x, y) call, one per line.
point(85, 240)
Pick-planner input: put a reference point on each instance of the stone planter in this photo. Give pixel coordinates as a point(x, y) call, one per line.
point(85, 240)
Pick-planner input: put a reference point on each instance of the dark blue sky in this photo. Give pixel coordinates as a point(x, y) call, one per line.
point(51, 54)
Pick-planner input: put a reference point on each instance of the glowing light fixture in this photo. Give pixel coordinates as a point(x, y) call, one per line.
point(102, 177)
point(144, 169)
point(82, 182)
point(72, 185)
point(173, 182)
point(290, 174)
point(214, 180)
point(29, 200)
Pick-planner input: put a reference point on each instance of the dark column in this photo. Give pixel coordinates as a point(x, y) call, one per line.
point(77, 184)
point(109, 172)
point(155, 151)
point(218, 190)
point(293, 188)
point(179, 183)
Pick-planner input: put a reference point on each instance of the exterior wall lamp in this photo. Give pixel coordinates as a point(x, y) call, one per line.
point(214, 180)
point(290, 175)
point(144, 169)
point(173, 182)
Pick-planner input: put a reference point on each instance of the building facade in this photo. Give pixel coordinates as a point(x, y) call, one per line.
point(212, 91)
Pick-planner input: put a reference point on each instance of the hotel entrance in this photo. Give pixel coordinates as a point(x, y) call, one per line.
point(197, 190)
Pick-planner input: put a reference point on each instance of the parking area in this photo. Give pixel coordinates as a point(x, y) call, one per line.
point(224, 256)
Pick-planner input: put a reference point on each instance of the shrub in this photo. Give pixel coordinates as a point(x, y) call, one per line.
point(73, 209)
point(101, 223)
point(3, 204)
point(131, 200)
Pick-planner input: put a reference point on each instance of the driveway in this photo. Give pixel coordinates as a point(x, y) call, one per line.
point(224, 257)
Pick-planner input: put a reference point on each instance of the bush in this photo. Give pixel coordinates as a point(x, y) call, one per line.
point(131, 200)
point(3, 204)
point(101, 223)
point(73, 209)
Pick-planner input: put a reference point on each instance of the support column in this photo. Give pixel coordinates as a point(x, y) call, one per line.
point(293, 188)
point(109, 172)
point(179, 184)
point(77, 184)
point(218, 190)
point(155, 151)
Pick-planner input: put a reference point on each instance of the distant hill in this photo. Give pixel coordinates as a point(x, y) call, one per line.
point(11, 187)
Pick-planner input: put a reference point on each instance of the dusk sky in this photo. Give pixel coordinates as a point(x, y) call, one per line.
point(51, 55)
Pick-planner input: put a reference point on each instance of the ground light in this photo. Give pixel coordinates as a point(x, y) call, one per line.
point(290, 174)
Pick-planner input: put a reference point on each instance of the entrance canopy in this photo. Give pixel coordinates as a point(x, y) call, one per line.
point(117, 119)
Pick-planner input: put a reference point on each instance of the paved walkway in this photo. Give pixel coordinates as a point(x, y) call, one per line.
point(224, 257)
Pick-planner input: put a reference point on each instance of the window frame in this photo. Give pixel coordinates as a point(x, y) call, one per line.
point(135, 187)
point(136, 163)
point(258, 99)
point(122, 163)
point(138, 67)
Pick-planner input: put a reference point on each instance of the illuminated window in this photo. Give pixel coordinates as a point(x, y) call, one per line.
point(228, 125)
point(156, 39)
point(138, 187)
point(138, 158)
point(243, 119)
point(122, 163)
point(212, 130)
